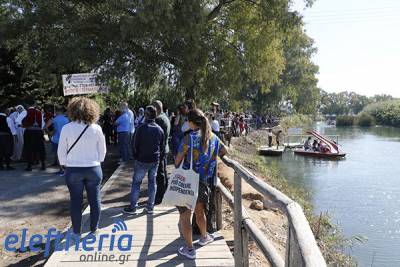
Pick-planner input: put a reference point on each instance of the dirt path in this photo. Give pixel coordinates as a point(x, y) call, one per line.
point(36, 201)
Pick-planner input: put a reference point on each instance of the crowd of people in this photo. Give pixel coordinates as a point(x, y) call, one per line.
point(79, 136)
point(22, 132)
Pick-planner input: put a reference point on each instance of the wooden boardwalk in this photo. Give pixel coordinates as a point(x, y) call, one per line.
point(156, 238)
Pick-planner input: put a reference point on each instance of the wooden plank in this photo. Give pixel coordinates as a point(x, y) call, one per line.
point(165, 230)
point(150, 248)
point(150, 263)
point(156, 240)
point(158, 255)
point(143, 241)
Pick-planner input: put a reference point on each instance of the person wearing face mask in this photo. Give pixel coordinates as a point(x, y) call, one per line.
point(205, 148)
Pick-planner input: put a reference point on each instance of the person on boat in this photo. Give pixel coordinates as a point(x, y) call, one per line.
point(323, 148)
point(307, 144)
point(315, 146)
point(270, 137)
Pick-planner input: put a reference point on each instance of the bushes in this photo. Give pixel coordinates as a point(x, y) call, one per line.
point(363, 119)
point(385, 113)
point(344, 120)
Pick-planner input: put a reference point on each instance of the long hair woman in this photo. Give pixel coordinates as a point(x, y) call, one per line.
point(81, 150)
point(205, 148)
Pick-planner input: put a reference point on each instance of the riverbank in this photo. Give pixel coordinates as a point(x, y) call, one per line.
point(271, 221)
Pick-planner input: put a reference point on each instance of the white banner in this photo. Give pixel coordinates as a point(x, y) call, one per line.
point(82, 83)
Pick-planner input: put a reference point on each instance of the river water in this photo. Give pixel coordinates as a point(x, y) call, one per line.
point(361, 192)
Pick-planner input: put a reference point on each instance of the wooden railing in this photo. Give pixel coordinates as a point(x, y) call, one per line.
point(301, 247)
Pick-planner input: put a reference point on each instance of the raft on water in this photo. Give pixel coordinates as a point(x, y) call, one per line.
point(271, 151)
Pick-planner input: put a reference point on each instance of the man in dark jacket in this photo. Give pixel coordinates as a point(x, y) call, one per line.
point(148, 145)
point(162, 178)
point(8, 134)
point(34, 136)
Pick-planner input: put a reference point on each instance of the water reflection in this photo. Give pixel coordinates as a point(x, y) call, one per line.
point(362, 191)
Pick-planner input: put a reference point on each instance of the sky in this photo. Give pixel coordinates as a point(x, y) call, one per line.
point(358, 44)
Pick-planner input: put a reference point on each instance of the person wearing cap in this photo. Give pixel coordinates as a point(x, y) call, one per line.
point(148, 145)
point(162, 176)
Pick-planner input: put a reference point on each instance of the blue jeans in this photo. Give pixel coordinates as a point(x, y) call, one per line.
point(124, 145)
point(77, 179)
point(131, 145)
point(140, 170)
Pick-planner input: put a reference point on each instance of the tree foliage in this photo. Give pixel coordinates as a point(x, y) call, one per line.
point(347, 102)
point(201, 49)
point(343, 103)
point(385, 112)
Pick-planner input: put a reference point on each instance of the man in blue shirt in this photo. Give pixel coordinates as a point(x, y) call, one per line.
point(148, 145)
point(58, 123)
point(123, 124)
point(125, 108)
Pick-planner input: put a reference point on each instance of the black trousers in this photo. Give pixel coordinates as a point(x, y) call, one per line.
point(161, 179)
point(269, 141)
point(6, 148)
point(34, 145)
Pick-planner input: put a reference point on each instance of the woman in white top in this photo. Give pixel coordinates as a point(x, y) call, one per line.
point(81, 149)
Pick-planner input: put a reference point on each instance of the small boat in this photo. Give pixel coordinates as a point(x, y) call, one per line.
point(271, 151)
point(332, 148)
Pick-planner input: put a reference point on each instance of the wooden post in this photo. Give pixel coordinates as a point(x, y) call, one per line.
point(289, 236)
point(238, 253)
point(293, 253)
point(245, 247)
point(218, 209)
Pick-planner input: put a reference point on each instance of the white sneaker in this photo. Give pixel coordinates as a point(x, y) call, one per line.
point(206, 240)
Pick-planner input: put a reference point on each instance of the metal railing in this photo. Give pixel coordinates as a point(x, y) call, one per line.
point(301, 247)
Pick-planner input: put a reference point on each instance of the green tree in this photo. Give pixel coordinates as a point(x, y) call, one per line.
point(203, 49)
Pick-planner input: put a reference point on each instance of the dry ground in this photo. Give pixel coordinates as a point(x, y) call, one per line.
point(270, 220)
